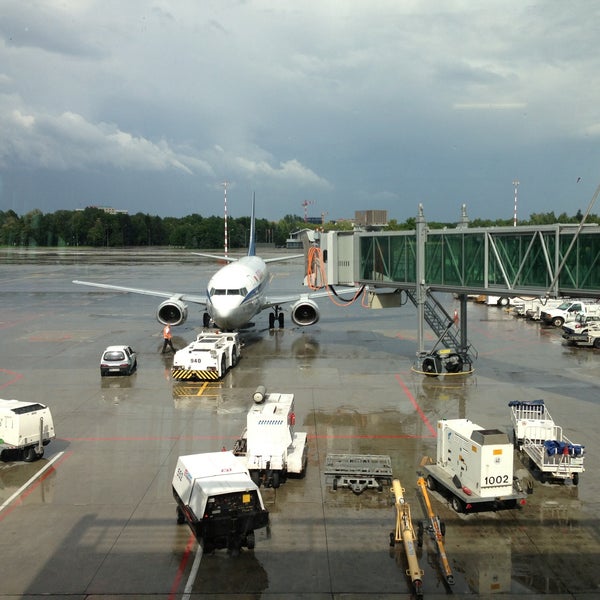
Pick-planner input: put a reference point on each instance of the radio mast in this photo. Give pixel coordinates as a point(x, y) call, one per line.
point(224, 184)
point(516, 184)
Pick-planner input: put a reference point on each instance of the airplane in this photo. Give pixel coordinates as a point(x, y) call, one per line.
point(236, 293)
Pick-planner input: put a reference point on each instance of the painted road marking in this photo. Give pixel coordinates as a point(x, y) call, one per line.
point(38, 475)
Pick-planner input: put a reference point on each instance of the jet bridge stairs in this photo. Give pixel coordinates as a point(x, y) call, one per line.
point(449, 352)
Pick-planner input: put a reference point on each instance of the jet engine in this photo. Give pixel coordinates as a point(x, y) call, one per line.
point(172, 311)
point(305, 312)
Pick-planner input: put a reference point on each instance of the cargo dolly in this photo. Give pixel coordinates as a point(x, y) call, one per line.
point(358, 471)
point(543, 443)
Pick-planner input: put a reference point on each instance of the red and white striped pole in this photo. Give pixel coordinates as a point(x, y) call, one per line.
point(516, 184)
point(225, 194)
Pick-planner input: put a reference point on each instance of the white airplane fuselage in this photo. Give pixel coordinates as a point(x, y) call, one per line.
point(236, 292)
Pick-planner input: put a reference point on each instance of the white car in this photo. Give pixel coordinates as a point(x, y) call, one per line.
point(118, 360)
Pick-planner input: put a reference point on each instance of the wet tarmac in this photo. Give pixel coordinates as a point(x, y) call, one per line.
point(95, 518)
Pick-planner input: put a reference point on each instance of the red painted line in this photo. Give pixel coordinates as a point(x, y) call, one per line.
point(182, 563)
point(9, 324)
point(16, 377)
point(416, 405)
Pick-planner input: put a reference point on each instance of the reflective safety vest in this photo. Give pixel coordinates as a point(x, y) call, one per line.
point(167, 332)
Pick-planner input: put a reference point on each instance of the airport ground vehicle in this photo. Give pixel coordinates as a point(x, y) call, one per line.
point(25, 427)
point(209, 356)
point(584, 331)
point(474, 467)
point(567, 311)
point(218, 500)
point(271, 447)
point(118, 360)
point(531, 308)
point(445, 358)
point(499, 300)
point(543, 443)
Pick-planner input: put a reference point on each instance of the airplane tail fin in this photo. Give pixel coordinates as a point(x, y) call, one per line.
point(252, 242)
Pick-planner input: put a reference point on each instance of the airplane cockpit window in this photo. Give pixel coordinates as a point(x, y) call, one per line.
point(234, 292)
point(218, 292)
point(243, 292)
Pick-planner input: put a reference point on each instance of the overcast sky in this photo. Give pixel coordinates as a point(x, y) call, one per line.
point(150, 106)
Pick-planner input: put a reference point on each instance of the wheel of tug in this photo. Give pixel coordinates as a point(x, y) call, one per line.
point(276, 481)
point(29, 454)
point(234, 357)
point(429, 366)
point(250, 541)
point(457, 504)
point(456, 365)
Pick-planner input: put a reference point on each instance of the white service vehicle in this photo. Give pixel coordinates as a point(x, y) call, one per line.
point(271, 447)
point(474, 466)
point(567, 311)
point(499, 300)
point(25, 427)
point(208, 357)
point(544, 444)
point(583, 331)
point(218, 500)
point(532, 308)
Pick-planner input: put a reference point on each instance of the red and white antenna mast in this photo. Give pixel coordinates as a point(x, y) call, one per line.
point(224, 184)
point(306, 203)
point(516, 184)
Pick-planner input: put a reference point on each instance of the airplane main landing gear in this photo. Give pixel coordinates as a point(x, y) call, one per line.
point(278, 316)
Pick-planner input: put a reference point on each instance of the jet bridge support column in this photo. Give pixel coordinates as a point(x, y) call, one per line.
point(421, 288)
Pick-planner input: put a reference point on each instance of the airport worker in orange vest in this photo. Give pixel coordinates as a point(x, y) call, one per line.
point(167, 338)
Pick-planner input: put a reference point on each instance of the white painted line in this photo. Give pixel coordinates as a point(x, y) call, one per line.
point(187, 592)
point(26, 485)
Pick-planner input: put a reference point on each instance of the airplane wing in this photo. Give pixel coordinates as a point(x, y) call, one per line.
point(217, 257)
point(233, 259)
point(273, 300)
point(157, 293)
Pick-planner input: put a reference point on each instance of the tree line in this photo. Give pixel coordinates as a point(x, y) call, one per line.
point(96, 228)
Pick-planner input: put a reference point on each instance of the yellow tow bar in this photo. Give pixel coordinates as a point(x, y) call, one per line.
point(405, 533)
point(436, 528)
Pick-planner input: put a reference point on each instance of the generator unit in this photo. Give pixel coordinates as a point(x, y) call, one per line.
point(473, 466)
point(25, 427)
point(218, 500)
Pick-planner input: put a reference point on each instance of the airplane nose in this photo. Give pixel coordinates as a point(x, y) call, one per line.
point(225, 312)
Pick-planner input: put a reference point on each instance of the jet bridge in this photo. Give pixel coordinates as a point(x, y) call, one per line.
point(544, 261)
